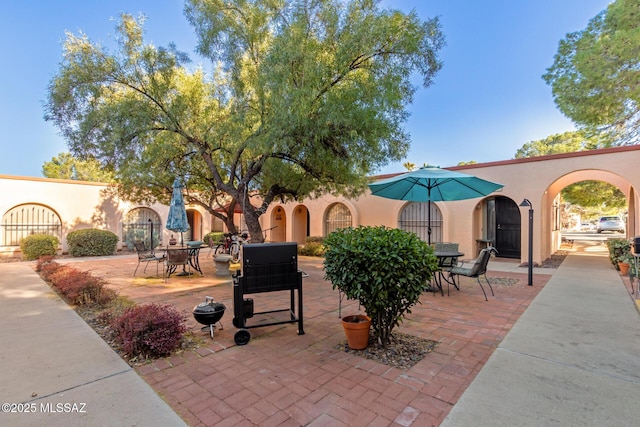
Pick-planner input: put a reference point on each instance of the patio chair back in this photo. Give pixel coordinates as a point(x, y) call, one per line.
point(447, 262)
point(478, 269)
point(178, 257)
point(175, 258)
point(145, 255)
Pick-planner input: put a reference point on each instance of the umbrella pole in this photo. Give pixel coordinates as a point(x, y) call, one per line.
point(429, 216)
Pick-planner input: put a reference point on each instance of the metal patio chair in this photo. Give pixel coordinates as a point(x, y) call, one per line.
point(146, 256)
point(477, 269)
point(176, 258)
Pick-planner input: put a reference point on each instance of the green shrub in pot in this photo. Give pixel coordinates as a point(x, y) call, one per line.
point(385, 269)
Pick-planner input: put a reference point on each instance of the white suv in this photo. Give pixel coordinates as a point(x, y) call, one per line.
point(610, 223)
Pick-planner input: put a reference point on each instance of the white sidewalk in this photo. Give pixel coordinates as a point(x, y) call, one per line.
point(56, 371)
point(572, 359)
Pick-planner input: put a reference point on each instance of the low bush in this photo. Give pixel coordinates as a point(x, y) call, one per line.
point(385, 269)
point(38, 245)
point(149, 330)
point(313, 246)
point(91, 242)
point(217, 236)
point(46, 270)
point(42, 261)
point(80, 287)
point(619, 250)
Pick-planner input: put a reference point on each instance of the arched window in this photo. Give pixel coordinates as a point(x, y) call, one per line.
point(414, 217)
point(137, 225)
point(24, 220)
point(337, 216)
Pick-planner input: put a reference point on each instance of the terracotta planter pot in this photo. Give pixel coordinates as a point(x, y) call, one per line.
point(356, 328)
point(624, 268)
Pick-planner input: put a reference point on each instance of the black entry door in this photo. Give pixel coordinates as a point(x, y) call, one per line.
point(507, 228)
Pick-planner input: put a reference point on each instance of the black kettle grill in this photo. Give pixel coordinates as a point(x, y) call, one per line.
point(209, 313)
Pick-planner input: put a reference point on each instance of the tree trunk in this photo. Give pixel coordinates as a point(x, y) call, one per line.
point(255, 230)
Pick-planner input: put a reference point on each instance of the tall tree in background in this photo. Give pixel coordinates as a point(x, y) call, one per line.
point(596, 196)
point(65, 166)
point(568, 142)
point(304, 97)
point(595, 77)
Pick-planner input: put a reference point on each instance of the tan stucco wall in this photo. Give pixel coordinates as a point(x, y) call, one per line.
point(84, 204)
point(537, 179)
point(79, 205)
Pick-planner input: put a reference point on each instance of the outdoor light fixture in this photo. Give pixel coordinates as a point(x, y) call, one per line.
point(151, 247)
point(527, 204)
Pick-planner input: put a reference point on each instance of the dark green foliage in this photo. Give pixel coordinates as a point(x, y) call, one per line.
point(300, 98)
point(153, 330)
point(595, 75)
point(37, 245)
point(91, 242)
point(385, 269)
point(619, 250)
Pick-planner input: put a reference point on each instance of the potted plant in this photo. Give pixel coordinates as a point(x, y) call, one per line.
point(356, 329)
point(625, 263)
point(385, 269)
point(619, 249)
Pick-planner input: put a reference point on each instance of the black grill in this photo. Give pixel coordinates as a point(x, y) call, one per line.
point(266, 267)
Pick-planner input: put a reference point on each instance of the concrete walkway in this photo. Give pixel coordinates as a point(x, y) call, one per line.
point(572, 359)
point(56, 371)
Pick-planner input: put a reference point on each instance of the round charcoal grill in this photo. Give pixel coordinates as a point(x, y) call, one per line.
point(209, 313)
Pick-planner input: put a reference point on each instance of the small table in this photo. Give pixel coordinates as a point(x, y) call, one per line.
point(446, 260)
point(482, 244)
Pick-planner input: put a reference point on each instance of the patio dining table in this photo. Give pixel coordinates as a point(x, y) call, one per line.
point(446, 260)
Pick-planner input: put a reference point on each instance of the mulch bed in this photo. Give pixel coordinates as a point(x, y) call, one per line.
point(403, 351)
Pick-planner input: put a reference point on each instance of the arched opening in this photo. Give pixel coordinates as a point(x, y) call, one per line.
point(415, 217)
point(560, 219)
point(195, 225)
point(504, 226)
point(140, 224)
point(300, 224)
point(337, 216)
point(279, 224)
point(24, 220)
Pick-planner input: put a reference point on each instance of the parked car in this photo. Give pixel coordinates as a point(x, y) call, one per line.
point(610, 223)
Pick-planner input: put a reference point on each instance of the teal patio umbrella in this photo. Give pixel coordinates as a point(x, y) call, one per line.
point(431, 183)
point(177, 220)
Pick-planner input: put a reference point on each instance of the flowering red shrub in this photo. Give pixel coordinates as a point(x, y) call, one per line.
point(43, 260)
point(80, 287)
point(47, 269)
point(150, 330)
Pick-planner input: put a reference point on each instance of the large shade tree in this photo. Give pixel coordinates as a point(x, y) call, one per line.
point(595, 77)
point(595, 196)
point(65, 166)
point(299, 98)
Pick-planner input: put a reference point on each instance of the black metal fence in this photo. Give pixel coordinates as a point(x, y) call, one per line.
point(139, 225)
point(26, 220)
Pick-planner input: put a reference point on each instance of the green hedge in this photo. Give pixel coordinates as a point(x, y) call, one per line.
point(37, 245)
point(91, 242)
point(217, 236)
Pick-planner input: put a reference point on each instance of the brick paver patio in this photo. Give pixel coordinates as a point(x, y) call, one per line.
point(283, 379)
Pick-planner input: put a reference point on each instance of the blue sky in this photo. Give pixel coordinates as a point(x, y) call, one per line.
point(487, 101)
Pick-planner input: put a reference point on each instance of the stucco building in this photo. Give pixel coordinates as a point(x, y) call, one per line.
point(60, 206)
